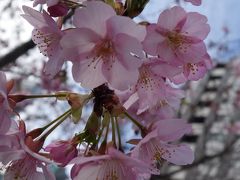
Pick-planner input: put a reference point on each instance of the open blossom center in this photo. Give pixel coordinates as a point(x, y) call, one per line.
point(192, 67)
point(176, 41)
point(158, 153)
point(113, 170)
point(146, 78)
point(105, 49)
point(44, 41)
point(104, 52)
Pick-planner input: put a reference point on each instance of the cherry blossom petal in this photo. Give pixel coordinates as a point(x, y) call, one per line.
point(54, 64)
point(170, 18)
point(167, 54)
point(125, 25)
point(118, 76)
point(193, 53)
point(152, 39)
point(129, 51)
point(89, 74)
point(93, 16)
point(172, 129)
point(78, 41)
point(177, 154)
point(5, 121)
point(37, 19)
point(164, 69)
point(196, 26)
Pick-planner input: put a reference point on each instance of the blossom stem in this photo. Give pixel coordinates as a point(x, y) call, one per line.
point(43, 96)
point(113, 131)
point(100, 135)
point(135, 121)
point(106, 135)
point(61, 118)
point(21, 97)
point(119, 134)
point(57, 119)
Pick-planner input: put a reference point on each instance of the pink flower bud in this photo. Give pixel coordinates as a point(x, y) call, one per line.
point(62, 151)
point(58, 10)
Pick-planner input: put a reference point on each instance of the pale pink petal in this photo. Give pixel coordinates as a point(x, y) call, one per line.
point(82, 160)
point(99, 167)
point(5, 121)
point(131, 100)
point(118, 76)
point(7, 154)
point(164, 112)
point(195, 71)
point(139, 166)
point(125, 25)
point(93, 16)
point(172, 129)
point(174, 96)
point(164, 69)
point(89, 74)
point(196, 26)
point(129, 51)
point(193, 52)
point(152, 39)
point(179, 79)
point(78, 41)
point(54, 64)
point(166, 53)
point(170, 18)
point(88, 172)
point(37, 19)
point(178, 154)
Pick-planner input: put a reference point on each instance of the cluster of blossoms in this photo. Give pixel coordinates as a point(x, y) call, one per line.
point(130, 68)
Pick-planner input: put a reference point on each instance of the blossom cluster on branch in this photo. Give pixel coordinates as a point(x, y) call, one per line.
point(130, 68)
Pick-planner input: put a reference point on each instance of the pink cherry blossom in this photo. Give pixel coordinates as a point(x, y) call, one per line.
point(113, 165)
point(152, 93)
point(22, 163)
point(193, 71)
point(104, 47)
point(47, 36)
point(195, 2)
point(155, 146)
point(178, 36)
point(58, 10)
point(62, 151)
point(5, 109)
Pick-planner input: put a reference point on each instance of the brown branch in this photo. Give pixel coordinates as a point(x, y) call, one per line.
point(16, 53)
